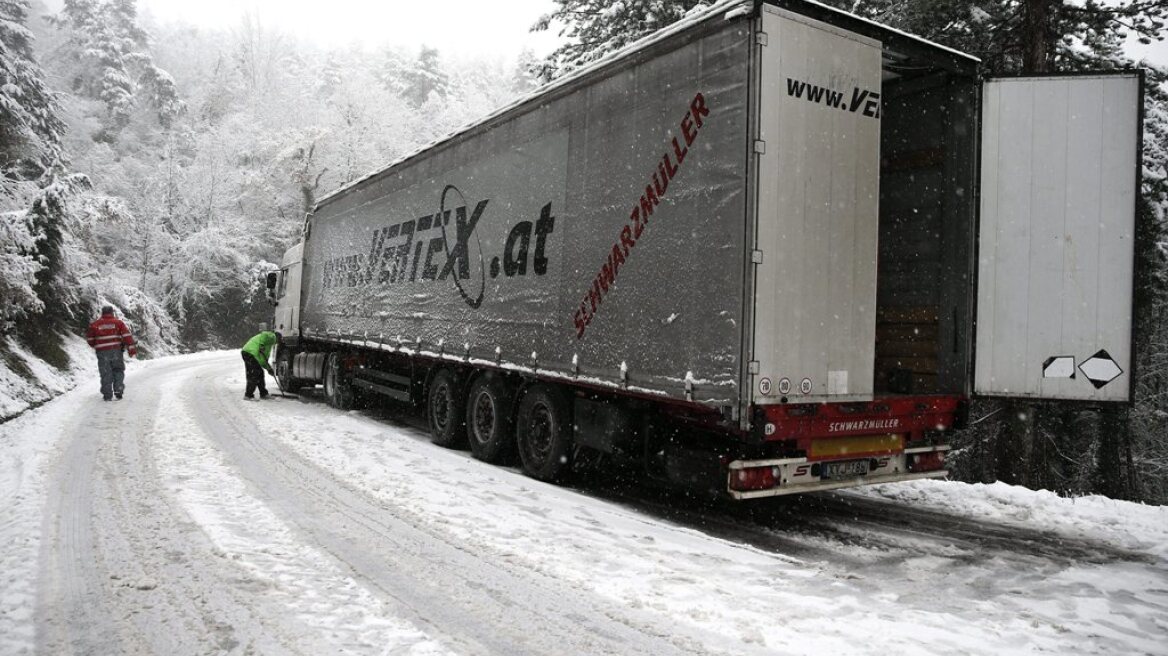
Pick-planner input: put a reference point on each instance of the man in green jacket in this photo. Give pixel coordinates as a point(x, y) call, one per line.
point(255, 361)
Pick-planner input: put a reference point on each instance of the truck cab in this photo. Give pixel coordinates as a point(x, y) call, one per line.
point(286, 295)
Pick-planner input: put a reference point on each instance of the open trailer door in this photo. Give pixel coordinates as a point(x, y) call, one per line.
point(1060, 162)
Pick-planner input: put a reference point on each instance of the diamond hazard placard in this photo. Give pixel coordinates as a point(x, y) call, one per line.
point(1061, 366)
point(1100, 369)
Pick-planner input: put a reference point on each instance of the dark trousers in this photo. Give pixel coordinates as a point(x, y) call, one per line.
point(112, 369)
point(255, 375)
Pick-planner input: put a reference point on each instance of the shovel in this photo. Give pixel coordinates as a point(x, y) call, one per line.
point(282, 394)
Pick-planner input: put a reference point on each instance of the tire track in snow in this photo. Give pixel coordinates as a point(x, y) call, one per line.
point(815, 526)
point(122, 569)
point(479, 601)
point(77, 607)
point(945, 563)
point(331, 611)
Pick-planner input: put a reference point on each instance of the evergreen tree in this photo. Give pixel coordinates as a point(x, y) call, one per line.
point(51, 219)
point(425, 79)
point(595, 28)
point(30, 128)
point(526, 73)
point(113, 64)
point(331, 77)
point(1012, 36)
point(30, 187)
point(391, 71)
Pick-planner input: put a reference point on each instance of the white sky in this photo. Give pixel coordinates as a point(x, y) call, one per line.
point(1156, 52)
point(455, 27)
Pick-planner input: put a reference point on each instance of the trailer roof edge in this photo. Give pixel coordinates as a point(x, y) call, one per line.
point(891, 37)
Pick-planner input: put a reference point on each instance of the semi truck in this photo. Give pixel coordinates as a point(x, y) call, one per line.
point(773, 248)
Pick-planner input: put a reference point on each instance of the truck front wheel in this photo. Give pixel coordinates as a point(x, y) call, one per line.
point(338, 389)
point(488, 418)
point(544, 434)
point(288, 384)
point(445, 411)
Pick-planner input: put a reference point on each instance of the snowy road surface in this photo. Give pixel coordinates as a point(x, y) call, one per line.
point(185, 520)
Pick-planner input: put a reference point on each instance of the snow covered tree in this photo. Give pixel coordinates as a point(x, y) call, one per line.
point(525, 76)
point(261, 54)
point(30, 128)
point(19, 268)
point(1024, 35)
point(594, 28)
point(37, 190)
point(112, 62)
point(425, 79)
point(51, 216)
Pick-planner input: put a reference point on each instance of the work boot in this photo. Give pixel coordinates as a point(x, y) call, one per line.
point(118, 396)
point(264, 395)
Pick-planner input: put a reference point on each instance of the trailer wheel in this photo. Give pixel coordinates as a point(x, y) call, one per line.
point(544, 434)
point(488, 419)
point(445, 411)
point(338, 390)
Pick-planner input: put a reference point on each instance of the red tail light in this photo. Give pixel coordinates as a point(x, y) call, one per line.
point(752, 478)
point(921, 462)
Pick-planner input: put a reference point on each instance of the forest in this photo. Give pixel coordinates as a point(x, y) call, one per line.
point(163, 169)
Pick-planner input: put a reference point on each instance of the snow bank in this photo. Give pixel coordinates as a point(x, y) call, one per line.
point(19, 392)
point(1123, 524)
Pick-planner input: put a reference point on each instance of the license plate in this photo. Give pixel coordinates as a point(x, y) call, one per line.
point(845, 469)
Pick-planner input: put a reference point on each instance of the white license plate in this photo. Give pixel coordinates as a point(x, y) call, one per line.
point(845, 469)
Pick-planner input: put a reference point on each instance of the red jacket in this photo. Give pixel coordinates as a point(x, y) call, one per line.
point(109, 333)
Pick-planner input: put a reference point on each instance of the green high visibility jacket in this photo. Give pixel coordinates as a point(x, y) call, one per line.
point(260, 346)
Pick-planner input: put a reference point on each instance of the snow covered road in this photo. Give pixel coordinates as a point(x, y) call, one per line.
point(185, 520)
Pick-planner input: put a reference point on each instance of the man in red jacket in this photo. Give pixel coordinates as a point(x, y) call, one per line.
point(108, 336)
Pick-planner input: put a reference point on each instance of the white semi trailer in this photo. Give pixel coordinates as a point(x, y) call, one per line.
point(774, 248)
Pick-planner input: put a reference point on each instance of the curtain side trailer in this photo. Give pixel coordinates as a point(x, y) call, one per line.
point(774, 248)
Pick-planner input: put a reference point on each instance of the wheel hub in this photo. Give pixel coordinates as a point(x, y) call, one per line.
point(441, 409)
point(539, 442)
point(484, 418)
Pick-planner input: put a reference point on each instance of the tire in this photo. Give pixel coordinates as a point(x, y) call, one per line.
point(338, 389)
point(489, 428)
point(288, 384)
point(544, 434)
point(445, 410)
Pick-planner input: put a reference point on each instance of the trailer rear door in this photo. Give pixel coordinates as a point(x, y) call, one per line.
point(1059, 180)
point(818, 212)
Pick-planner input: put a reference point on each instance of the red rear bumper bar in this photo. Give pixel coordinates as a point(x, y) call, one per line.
point(909, 416)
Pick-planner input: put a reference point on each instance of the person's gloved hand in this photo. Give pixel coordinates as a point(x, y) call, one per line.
point(133, 351)
point(269, 370)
